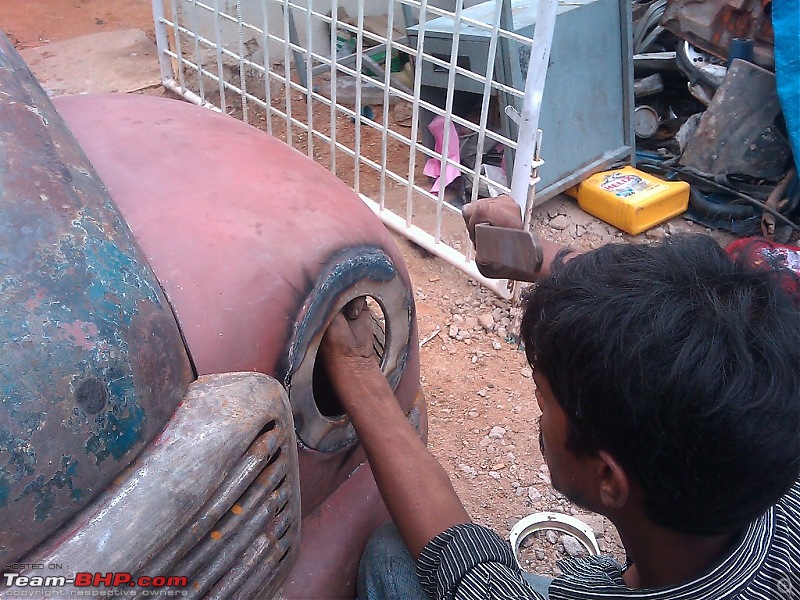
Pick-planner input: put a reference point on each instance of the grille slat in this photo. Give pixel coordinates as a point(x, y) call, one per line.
point(215, 557)
point(243, 474)
point(258, 572)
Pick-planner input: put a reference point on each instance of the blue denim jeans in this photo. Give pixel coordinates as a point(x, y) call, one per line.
point(387, 570)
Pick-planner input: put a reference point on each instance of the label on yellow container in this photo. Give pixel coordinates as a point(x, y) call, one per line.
point(622, 184)
point(631, 200)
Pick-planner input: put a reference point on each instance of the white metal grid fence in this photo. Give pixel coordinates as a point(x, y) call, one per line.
point(377, 91)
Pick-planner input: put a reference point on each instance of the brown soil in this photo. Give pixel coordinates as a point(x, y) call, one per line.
point(31, 23)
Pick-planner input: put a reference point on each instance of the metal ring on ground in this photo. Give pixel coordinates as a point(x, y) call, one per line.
point(557, 521)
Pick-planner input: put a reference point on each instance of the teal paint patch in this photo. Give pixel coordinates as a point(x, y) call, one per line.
point(121, 427)
point(116, 286)
point(21, 458)
point(32, 421)
point(13, 400)
point(5, 488)
point(89, 268)
point(44, 492)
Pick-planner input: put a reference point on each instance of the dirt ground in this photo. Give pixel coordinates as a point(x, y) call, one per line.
point(482, 413)
point(31, 23)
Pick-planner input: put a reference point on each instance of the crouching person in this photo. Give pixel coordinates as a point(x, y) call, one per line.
point(668, 379)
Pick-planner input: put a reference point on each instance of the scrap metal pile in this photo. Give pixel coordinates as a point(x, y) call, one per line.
point(708, 110)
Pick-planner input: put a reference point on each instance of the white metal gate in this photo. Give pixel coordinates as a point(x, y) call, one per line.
point(414, 103)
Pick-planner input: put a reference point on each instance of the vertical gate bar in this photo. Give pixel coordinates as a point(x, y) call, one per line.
point(267, 63)
point(309, 82)
point(487, 90)
point(526, 217)
point(359, 81)
point(287, 74)
point(412, 161)
point(517, 286)
point(160, 25)
point(448, 121)
point(294, 39)
point(218, 47)
point(387, 81)
point(197, 56)
point(178, 49)
point(242, 73)
point(334, 72)
point(532, 103)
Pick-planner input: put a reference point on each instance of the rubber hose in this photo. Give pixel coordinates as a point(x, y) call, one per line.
point(713, 210)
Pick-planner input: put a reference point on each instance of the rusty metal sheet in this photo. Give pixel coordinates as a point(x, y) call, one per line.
point(92, 362)
point(712, 24)
point(738, 133)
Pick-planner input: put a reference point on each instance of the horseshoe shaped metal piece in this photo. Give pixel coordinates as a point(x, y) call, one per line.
point(558, 522)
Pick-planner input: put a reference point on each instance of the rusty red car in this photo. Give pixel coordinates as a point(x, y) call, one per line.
point(167, 275)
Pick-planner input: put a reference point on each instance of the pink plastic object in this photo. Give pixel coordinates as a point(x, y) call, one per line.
point(433, 168)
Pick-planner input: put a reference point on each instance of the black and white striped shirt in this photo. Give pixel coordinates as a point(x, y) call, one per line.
point(470, 562)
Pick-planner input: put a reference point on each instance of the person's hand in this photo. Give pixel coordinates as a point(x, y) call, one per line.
point(347, 347)
point(501, 211)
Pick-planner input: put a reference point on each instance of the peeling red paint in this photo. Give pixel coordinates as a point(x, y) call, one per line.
point(80, 333)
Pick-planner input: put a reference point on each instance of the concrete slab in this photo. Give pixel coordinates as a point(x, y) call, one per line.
point(110, 61)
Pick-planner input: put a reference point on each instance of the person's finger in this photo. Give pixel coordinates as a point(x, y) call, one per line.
point(468, 210)
point(353, 309)
point(337, 334)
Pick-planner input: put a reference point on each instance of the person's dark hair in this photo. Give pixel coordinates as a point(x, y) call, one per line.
point(684, 366)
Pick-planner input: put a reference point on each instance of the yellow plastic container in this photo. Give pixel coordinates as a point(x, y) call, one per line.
point(631, 200)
